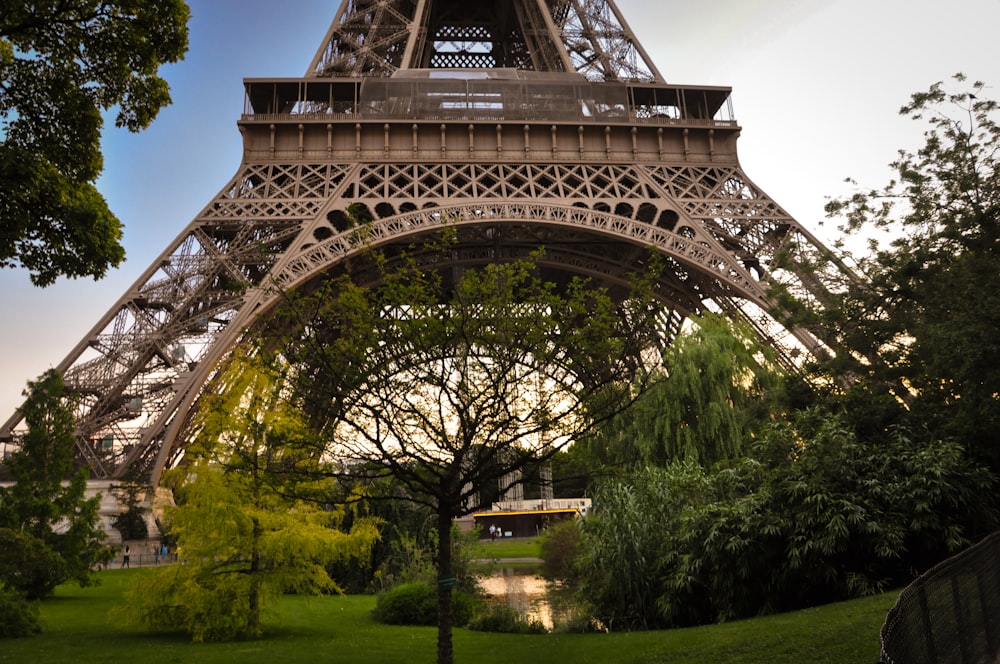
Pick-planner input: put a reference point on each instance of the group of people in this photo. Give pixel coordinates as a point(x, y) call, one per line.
point(160, 552)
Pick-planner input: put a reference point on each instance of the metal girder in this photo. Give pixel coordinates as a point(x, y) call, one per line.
point(380, 37)
point(585, 152)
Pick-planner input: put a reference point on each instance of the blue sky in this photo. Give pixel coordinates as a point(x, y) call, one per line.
point(816, 87)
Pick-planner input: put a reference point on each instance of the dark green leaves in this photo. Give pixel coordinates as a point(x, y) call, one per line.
point(61, 65)
point(811, 515)
point(53, 531)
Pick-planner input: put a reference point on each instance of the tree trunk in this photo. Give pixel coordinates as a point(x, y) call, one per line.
point(253, 620)
point(446, 581)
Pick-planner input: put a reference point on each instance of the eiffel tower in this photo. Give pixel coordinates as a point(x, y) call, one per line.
point(524, 123)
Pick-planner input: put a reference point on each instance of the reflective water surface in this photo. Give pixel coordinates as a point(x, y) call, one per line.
point(529, 593)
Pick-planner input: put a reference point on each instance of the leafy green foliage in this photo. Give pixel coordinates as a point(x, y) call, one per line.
point(51, 531)
point(923, 321)
point(28, 565)
point(242, 539)
point(448, 386)
point(18, 617)
point(718, 390)
point(505, 619)
point(560, 544)
point(626, 539)
point(416, 603)
point(812, 515)
point(412, 603)
point(406, 561)
point(131, 523)
point(61, 65)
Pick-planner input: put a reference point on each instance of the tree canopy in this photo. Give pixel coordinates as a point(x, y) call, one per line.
point(881, 471)
point(924, 318)
point(51, 532)
point(810, 515)
point(717, 390)
point(243, 536)
point(62, 64)
point(449, 387)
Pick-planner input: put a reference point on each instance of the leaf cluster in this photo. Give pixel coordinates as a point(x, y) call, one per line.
point(922, 322)
point(416, 603)
point(63, 63)
point(242, 531)
point(52, 532)
point(717, 389)
point(811, 515)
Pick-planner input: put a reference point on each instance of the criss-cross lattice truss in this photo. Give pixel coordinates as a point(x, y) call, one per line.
point(381, 37)
point(520, 124)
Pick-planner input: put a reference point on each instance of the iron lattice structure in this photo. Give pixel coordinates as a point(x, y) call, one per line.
point(520, 123)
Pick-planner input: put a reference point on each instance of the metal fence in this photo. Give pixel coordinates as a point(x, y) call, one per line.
point(950, 614)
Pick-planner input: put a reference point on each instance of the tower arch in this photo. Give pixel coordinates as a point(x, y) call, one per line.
point(554, 131)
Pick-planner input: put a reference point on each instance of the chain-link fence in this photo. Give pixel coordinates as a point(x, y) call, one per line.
point(951, 614)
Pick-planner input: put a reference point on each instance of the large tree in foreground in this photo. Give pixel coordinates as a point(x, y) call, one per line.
point(450, 387)
point(242, 535)
point(62, 64)
point(925, 318)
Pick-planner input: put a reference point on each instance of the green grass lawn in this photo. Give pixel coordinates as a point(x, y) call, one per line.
point(340, 629)
point(510, 547)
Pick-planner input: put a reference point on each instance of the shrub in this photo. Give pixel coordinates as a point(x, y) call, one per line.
point(28, 565)
point(407, 604)
point(559, 545)
point(131, 525)
point(18, 617)
point(579, 620)
point(813, 516)
point(416, 604)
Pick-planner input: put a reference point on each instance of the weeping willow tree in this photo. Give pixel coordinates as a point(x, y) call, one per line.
point(717, 391)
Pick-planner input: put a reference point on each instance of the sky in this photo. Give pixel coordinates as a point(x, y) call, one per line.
point(817, 85)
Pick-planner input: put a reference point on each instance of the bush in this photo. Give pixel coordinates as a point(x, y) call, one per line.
point(503, 618)
point(580, 622)
point(813, 516)
point(560, 544)
point(407, 604)
point(18, 617)
point(131, 525)
point(416, 604)
point(29, 566)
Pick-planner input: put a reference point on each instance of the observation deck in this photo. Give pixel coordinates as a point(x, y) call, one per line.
point(488, 113)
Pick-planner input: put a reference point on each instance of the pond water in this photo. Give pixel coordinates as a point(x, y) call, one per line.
point(532, 595)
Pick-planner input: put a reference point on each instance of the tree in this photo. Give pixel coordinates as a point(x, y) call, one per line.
point(449, 387)
point(131, 523)
point(719, 388)
point(810, 515)
point(45, 509)
point(242, 537)
point(923, 322)
point(61, 65)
